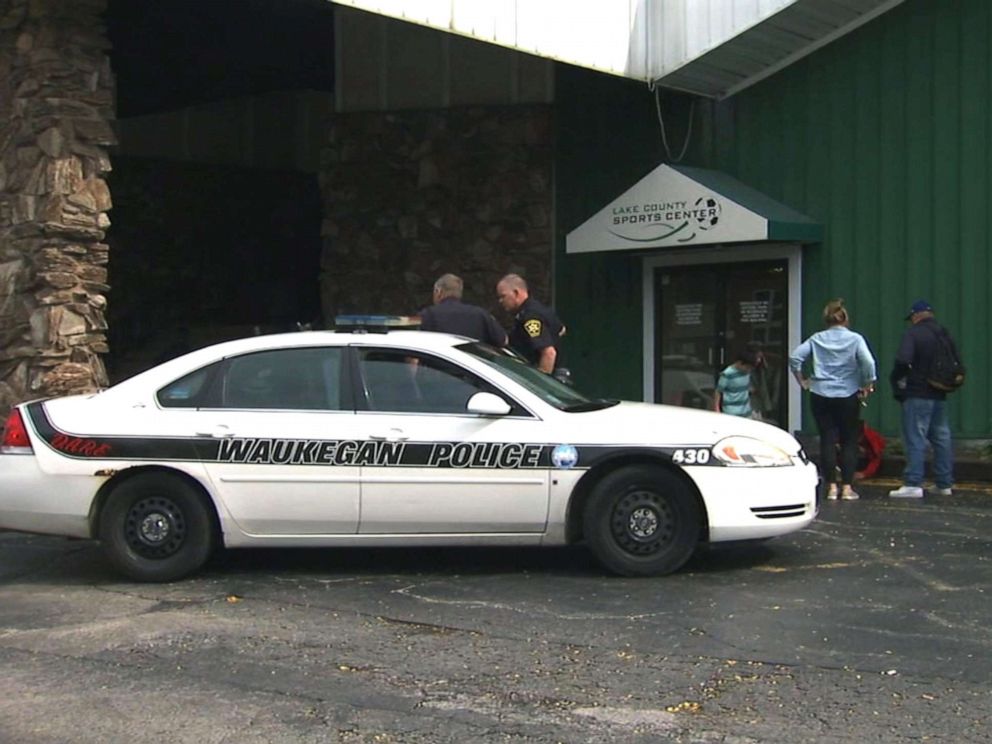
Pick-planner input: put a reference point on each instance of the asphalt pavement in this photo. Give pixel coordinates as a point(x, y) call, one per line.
point(872, 624)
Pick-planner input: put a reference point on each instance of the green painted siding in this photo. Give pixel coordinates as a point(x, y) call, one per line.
point(606, 138)
point(882, 135)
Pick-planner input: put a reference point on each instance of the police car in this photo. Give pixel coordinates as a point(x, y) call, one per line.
point(387, 438)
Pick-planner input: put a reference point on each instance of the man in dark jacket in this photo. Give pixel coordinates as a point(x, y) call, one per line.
point(924, 412)
point(449, 314)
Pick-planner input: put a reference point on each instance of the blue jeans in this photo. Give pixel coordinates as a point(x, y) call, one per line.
point(923, 421)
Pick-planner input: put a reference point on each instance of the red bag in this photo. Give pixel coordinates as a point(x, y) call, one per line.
point(871, 444)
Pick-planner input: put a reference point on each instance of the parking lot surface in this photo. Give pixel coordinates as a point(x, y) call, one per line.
point(870, 625)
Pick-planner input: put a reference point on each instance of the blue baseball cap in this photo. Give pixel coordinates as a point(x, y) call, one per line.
point(920, 306)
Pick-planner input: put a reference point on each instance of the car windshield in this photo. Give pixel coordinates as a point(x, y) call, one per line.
point(547, 388)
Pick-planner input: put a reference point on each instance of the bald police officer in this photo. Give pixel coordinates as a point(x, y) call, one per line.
point(536, 331)
point(449, 314)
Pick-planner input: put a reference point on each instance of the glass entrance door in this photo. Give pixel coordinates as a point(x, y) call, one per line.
point(706, 315)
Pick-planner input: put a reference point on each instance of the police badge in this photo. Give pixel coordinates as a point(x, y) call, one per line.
point(533, 327)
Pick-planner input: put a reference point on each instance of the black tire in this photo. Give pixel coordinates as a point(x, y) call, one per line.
point(156, 527)
point(642, 520)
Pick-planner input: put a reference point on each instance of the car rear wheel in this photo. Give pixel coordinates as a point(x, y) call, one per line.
point(156, 527)
point(642, 521)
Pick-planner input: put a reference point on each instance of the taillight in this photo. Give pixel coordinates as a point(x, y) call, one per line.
point(15, 434)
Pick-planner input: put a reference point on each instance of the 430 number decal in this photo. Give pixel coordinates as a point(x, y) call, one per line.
point(691, 456)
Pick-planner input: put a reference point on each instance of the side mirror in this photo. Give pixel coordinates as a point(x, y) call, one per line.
point(488, 404)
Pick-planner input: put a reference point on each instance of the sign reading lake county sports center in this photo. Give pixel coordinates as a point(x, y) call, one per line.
point(674, 206)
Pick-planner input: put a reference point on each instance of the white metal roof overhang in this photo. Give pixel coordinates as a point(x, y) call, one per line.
point(674, 207)
point(712, 48)
point(769, 45)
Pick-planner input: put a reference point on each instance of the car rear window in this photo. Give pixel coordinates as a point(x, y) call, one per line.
point(187, 391)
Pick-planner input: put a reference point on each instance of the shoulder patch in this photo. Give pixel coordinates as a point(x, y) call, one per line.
point(533, 327)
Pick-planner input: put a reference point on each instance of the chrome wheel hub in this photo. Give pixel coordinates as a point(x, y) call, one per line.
point(155, 528)
point(643, 523)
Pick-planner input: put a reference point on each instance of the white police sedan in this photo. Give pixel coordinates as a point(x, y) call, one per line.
point(392, 438)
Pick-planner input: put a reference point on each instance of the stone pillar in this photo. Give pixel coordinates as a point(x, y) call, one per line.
point(56, 108)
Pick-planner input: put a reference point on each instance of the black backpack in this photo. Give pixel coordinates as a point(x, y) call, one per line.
point(946, 373)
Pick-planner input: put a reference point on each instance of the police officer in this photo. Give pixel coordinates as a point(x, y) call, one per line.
point(449, 314)
point(536, 331)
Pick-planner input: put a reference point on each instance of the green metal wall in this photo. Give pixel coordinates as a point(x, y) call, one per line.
point(606, 138)
point(883, 136)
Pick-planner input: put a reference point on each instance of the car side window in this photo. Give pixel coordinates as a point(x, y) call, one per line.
point(305, 379)
point(188, 391)
point(408, 382)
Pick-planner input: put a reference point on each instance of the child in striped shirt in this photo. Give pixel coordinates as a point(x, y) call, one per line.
point(733, 390)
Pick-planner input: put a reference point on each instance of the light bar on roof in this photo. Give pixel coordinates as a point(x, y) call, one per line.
point(375, 322)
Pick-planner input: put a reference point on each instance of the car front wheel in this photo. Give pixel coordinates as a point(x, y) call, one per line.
point(156, 527)
point(642, 521)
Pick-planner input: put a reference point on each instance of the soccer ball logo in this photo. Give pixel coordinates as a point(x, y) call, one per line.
point(707, 212)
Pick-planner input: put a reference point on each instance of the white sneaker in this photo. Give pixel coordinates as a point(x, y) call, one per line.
point(944, 491)
point(907, 492)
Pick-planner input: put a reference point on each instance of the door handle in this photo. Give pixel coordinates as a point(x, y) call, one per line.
point(218, 432)
point(392, 435)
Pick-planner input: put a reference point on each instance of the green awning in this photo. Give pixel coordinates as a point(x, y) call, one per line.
point(675, 206)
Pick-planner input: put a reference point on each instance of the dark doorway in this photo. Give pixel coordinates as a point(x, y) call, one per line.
point(709, 313)
point(215, 230)
point(201, 254)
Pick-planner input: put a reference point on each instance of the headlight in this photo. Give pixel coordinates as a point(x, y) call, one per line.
point(745, 452)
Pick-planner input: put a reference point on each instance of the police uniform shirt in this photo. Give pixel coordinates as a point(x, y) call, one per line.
point(451, 315)
point(535, 327)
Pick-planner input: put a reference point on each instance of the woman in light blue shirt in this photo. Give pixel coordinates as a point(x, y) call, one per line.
point(842, 376)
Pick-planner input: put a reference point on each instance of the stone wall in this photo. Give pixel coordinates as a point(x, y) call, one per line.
point(56, 105)
point(409, 196)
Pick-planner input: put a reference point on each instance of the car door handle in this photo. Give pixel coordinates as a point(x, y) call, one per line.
point(218, 432)
point(393, 435)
